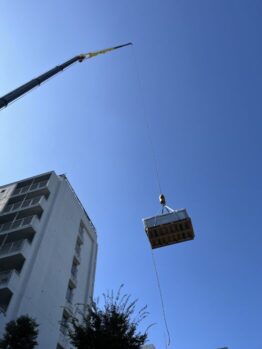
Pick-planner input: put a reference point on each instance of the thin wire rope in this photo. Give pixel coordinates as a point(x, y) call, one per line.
point(151, 144)
point(161, 298)
point(159, 187)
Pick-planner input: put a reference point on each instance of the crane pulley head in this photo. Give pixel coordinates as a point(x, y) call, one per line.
point(88, 55)
point(20, 91)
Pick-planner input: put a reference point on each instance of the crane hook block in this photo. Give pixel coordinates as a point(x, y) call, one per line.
point(162, 199)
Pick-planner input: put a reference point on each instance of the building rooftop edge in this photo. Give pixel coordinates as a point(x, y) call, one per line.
point(28, 178)
point(62, 176)
point(78, 200)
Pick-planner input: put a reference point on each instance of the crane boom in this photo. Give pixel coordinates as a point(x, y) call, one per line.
point(20, 91)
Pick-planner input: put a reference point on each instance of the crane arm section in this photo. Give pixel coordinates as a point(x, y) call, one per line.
point(20, 91)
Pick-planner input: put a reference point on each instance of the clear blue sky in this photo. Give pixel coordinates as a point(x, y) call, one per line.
point(200, 67)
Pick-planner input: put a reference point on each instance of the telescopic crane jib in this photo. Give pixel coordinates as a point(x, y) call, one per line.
point(20, 91)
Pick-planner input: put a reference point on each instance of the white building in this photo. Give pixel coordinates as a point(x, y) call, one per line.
point(148, 346)
point(48, 253)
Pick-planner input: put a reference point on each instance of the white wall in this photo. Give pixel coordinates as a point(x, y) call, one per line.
point(45, 274)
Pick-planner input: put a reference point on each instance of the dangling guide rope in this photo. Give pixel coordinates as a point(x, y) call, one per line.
point(159, 187)
point(161, 297)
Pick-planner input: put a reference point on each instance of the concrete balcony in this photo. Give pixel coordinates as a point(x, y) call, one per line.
point(13, 254)
point(77, 255)
point(24, 228)
point(31, 206)
point(69, 308)
point(73, 278)
point(8, 284)
point(40, 187)
point(80, 236)
point(80, 239)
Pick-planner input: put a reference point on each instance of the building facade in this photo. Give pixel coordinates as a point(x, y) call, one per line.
point(48, 249)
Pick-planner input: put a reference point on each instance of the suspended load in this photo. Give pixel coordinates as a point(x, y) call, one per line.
point(168, 228)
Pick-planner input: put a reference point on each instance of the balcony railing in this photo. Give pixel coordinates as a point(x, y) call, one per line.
point(12, 247)
point(16, 224)
point(22, 204)
point(30, 187)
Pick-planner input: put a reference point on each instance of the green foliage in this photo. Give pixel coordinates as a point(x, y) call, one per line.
point(111, 327)
point(20, 334)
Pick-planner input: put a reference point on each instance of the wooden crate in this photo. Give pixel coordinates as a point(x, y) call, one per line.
point(171, 229)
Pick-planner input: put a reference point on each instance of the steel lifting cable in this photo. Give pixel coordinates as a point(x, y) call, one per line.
point(159, 187)
point(150, 140)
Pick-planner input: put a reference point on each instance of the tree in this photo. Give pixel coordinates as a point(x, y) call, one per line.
point(20, 334)
point(112, 327)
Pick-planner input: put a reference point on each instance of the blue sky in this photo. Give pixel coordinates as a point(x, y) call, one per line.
point(200, 69)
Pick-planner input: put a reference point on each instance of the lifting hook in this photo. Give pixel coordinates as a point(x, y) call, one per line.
point(162, 199)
